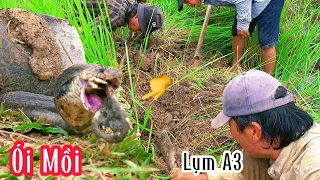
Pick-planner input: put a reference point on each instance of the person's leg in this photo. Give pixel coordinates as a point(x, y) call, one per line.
point(269, 59)
point(238, 44)
point(237, 50)
point(255, 168)
point(268, 33)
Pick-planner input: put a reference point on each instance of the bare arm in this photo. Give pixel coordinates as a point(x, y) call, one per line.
point(225, 175)
point(177, 174)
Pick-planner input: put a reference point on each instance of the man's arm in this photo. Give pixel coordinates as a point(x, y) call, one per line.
point(177, 174)
point(243, 8)
point(225, 175)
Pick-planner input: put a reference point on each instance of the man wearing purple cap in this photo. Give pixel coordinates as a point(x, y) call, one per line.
point(279, 140)
point(251, 13)
point(139, 17)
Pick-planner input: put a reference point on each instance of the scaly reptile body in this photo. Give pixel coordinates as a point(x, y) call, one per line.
point(71, 101)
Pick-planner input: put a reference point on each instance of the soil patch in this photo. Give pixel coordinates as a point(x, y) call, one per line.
point(27, 28)
point(185, 110)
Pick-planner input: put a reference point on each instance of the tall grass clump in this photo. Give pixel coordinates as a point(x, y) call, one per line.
point(188, 22)
point(298, 53)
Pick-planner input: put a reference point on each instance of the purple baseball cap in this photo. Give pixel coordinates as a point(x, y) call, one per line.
point(249, 93)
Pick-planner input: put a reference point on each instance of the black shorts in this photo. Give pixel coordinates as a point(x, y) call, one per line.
point(268, 24)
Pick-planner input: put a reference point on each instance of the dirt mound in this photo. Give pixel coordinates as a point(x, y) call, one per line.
point(185, 110)
point(27, 28)
point(185, 113)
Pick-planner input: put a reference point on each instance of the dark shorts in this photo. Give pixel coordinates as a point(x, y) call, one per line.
point(268, 24)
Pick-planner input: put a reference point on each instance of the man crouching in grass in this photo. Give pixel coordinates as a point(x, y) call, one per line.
point(139, 17)
point(249, 13)
point(279, 140)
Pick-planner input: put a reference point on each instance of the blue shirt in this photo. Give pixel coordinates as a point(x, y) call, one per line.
point(246, 9)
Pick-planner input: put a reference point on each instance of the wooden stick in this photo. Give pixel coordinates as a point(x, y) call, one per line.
point(167, 149)
point(203, 31)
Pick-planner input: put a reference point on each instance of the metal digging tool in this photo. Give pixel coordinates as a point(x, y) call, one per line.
point(203, 32)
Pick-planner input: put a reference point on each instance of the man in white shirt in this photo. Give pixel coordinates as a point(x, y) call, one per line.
point(265, 14)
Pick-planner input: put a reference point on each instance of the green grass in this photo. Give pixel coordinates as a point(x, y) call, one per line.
point(297, 54)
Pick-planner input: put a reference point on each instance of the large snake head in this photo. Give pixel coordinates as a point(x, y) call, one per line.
point(85, 98)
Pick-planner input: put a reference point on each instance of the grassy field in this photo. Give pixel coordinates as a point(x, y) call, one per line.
point(190, 102)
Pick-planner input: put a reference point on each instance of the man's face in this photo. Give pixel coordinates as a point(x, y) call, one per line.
point(133, 24)
point(250, 139)
point(193, 3)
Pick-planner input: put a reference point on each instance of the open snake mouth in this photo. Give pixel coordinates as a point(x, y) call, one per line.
point(93, 93)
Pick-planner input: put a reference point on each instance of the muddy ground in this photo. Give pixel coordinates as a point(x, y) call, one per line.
point(185, 110)
point(27, 28)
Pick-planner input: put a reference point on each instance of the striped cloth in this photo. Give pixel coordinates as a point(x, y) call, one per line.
point(120, 11)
